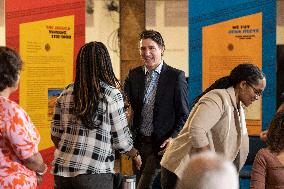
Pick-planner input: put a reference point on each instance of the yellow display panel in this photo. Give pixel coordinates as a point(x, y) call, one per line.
point(46, 48)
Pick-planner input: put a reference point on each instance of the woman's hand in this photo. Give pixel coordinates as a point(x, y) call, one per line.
point(263, 135)
point(35, 163)
point(165, 145)
point(39, 179)
point(134, 154)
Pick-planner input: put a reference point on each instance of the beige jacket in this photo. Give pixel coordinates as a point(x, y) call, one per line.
point(214, 120)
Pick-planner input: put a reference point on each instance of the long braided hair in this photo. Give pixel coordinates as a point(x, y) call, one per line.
point(243, 72)
point(93, 65)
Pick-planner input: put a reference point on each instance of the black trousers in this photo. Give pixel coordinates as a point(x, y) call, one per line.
point(151, 168)
point(168, 179)
point(84, 181)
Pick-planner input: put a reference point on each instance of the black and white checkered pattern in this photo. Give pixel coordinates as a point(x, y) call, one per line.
point(82, 150)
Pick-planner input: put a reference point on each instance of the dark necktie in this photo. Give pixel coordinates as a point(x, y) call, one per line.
point(149, 100)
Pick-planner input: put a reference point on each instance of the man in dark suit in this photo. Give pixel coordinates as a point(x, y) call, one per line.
point(158, 95)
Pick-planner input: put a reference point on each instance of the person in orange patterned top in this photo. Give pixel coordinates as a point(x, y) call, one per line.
point(21, 163)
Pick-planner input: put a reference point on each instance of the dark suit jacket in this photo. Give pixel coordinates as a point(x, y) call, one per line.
point(171, 106)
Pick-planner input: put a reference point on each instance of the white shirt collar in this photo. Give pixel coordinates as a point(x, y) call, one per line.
point(158, 69)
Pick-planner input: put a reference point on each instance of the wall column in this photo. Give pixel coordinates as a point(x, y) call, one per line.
point(132, 22)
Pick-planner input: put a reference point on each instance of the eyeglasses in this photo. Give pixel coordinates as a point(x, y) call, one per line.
point(257, 92)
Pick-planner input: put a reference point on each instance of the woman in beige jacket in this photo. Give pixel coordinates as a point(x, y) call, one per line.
point(216, 122)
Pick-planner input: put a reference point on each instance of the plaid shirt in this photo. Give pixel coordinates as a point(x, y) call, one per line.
point(85, 151)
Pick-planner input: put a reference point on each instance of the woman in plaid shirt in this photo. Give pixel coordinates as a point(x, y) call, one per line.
point(89, 124)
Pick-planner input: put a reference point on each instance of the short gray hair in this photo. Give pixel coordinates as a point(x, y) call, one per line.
point(207, 170)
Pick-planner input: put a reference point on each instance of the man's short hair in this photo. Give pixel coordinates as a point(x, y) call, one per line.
point(154, 35)
point(208, 170)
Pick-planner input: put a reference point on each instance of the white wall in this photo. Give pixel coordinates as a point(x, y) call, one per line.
point(175, 37)
point(103, 26)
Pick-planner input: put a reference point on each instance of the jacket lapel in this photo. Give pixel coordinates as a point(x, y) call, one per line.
point(231, 92)
point(238, 114)
point(141, 84)
point(162, 83)
point(240, 123)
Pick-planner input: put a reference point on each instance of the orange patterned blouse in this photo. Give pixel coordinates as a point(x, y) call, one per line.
point(19, 140)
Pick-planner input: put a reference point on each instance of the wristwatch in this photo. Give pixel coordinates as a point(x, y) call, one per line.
point(40, 174)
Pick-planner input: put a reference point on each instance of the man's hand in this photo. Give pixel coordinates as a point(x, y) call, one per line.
point(138, 162)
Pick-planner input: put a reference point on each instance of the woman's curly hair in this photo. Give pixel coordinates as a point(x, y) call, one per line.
point(275, 134)
point(10, 67)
